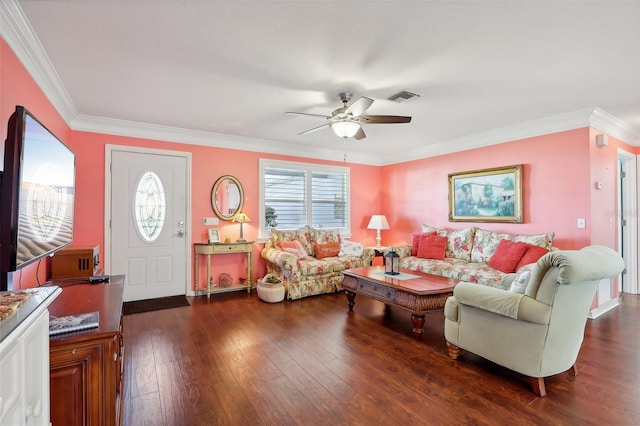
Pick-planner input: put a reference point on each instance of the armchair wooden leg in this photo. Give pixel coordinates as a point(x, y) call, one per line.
point(454, 351)
point(537, 385)
point(574, 369)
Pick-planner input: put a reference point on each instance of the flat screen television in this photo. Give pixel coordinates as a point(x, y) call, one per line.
point(38, 192)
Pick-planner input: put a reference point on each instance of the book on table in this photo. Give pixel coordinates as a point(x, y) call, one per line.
point(71, 323)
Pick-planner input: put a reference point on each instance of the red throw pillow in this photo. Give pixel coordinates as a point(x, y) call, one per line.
point(432, 246)
point(507, 255)
point(416, 242)
point(326, 250)
point(294, 247)
point(532, 255)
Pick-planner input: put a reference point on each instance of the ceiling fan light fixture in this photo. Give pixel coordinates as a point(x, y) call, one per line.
point(345, 129)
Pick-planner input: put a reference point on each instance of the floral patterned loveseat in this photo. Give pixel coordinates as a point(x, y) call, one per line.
point(315, 266)
point(476, 255)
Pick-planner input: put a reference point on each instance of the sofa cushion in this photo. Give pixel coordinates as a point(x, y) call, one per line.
point(478, 273)
point(294, 247)
point(507, 256)
point(541, 240)
point(302, 235)
point(442, 268)
point(312, 266)
point(324, 236)
point(531, 255)
point(432, 246)
point(428, 228)
point(350, 248)
point(485, 243)
point(326, 250)
point(459, 243)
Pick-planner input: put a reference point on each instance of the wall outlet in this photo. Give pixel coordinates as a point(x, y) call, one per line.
point(210, 221)
point(582, 223)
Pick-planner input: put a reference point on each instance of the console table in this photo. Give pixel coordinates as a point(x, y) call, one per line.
point(86, 367)
point(223, 248)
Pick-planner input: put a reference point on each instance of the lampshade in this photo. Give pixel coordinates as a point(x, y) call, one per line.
point(241, 218)
point(345, 129)
point(378, 221)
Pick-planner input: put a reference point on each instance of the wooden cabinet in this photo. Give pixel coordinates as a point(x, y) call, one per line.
point(222, 248)
point(24, 362)
point(86, 367)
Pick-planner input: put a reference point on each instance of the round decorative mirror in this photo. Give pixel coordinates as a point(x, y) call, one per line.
point(227, 197)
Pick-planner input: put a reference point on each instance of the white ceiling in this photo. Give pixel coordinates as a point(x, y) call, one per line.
point(224, 72)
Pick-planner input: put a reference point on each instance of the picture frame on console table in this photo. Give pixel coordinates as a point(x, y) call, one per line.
point(487, 195)
point(214, 235)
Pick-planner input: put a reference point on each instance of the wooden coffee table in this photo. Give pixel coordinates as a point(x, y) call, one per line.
point(418, 294)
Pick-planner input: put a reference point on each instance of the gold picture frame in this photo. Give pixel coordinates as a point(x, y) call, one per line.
point(488, 195)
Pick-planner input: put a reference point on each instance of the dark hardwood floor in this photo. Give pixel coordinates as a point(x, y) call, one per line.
point(235, 360)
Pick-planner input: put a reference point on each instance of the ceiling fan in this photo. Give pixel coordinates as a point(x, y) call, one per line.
point(346, 121)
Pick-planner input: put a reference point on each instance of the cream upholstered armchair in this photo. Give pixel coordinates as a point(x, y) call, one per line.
point(538, 333)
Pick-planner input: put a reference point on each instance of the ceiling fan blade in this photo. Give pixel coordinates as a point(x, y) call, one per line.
point(360, 134)
point(315, 129)
point(306, 114)
point(359, 107)
point(384, 119)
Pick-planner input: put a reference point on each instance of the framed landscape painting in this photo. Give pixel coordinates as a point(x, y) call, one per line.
point(490, 195)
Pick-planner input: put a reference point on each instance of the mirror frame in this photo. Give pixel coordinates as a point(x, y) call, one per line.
point(214, 192)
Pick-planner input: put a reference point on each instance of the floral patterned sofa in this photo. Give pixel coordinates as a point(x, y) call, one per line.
point(473, 254)
point(310, 261)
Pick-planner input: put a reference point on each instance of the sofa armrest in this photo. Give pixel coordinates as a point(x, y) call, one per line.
point(287, 262)
point(367, 256)
point(403, 250)
point(502, 302)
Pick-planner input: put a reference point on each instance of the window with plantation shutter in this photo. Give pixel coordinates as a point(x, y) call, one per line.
point(297, 194)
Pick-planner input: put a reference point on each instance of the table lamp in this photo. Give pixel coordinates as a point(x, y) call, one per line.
point(241, 218)
point(378, 222)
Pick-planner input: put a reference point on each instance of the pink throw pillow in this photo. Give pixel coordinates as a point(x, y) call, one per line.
point(531, 255)
point(326, 250)
point(294, 247)
point(432, 246)
point(507, 255)
point(416, 242)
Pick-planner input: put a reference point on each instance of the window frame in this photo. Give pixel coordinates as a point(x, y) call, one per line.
point(309, 169)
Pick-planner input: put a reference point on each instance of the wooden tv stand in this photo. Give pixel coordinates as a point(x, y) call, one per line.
point(86, 367)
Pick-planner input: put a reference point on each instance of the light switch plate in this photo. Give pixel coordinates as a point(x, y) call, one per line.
point(210, 221)
point(582, 223)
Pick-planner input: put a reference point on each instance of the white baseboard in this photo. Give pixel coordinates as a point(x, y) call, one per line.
point(604, 308)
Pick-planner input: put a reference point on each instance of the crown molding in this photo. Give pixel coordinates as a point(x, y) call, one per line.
point(19, 35)
point(613, 126)
point(588, 117)
point(126, 128)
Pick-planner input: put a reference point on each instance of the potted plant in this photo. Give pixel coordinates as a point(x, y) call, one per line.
point(271, 280)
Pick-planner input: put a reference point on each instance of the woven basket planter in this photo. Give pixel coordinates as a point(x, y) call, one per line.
point(268, 292)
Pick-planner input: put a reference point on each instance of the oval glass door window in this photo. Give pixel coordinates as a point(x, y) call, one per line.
point(150, 206)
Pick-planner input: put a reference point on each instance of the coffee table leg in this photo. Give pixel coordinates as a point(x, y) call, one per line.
point(418, 325)
point(351, 299)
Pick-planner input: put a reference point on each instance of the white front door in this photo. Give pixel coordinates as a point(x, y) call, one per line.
point(149, 223)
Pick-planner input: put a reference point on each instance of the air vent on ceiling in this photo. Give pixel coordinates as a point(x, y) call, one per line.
point(403, 96)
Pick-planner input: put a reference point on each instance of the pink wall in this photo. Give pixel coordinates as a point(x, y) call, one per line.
point(556, 188)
